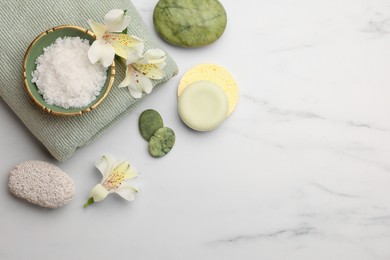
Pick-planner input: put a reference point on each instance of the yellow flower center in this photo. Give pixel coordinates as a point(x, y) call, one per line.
point(117, 176)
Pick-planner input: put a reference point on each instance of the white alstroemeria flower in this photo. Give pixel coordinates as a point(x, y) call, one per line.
point(114, 174)
point(140, 71)
point(116, 20)
point(110, 42)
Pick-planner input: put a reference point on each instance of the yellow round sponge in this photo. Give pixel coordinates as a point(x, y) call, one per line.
point(215, 74)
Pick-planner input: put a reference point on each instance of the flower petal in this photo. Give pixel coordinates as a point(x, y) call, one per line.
point(105, 165)
point(162, 65)
point(119, 50)
point(140, 84)
point(114, 16)
point(130, 173)
point(148, 86)
point(123, 39)
point(122, 167)
point(126, 81)
point(116, 20)
point(101, 52)
point(134, 88)
point(99, 193)
point(125, 44)
point(94, 52)
point(98, 28)
point(108, 55)
point(126, 191)
point(135, 92)
point(154, 56)
point(145, 83)
point(135, 53)
point(117, 176)
point(152, 71)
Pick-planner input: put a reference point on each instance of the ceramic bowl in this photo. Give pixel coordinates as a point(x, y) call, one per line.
point(36, 49)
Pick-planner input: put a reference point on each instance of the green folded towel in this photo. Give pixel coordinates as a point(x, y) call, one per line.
point(21, 21)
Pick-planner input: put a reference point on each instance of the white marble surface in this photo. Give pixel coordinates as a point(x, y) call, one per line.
point(300, 171)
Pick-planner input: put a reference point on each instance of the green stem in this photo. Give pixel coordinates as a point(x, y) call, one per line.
point(89, 202)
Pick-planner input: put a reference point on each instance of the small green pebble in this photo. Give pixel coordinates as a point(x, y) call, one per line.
point(161, 142)
point(149, 122)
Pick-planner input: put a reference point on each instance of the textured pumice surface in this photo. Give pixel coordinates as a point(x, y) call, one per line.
point(41, 183)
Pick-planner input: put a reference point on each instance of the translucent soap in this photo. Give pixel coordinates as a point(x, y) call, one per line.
point(203, 105)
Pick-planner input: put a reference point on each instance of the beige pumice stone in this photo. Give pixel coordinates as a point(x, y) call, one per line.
point(41, 183)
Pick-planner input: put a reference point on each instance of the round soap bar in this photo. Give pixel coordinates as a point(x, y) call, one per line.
point(203, 105)
point(215, 74)
point(190, 23)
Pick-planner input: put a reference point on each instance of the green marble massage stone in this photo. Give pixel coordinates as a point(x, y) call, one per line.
point(149, 122)
point(161, 142)
point(190, 23)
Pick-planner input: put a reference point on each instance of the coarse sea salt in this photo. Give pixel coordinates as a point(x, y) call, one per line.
point(64, 75)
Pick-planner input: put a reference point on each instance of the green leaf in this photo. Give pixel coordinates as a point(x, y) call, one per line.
point(89, 202)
